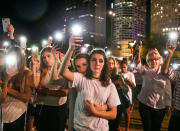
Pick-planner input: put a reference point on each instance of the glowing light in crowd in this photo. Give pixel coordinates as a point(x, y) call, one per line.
point(23, 39)
point(76, 29)
point(34, 49)
point(28, 49)
point(10, 60)
point(44, 42)
point(5, 43)
point(50, 37)
point(133, 65)
point(175, 66)
point(173, 35)
point(166, 52)
point(83, 49)
point(86, 45)
point(108, 52)
point(58, 36)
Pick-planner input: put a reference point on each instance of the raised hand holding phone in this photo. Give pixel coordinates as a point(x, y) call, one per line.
point(173, 38)
point(77, 32)
point(74, 42)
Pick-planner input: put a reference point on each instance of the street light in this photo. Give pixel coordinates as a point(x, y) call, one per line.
point(111, 14)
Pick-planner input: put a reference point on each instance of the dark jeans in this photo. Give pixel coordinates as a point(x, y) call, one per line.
point(174, 124)
point(151, 118)
point(17, 125)
point(113, 124)
point(51, 118)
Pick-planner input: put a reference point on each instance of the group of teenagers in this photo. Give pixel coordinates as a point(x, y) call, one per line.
point(92, 84)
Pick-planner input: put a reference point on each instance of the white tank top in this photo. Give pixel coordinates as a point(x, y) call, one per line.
point(13, 108)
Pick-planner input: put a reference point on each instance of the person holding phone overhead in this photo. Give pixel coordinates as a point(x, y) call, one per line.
point(16, 91)
point(174, 76)
point(94, 88)
point(9, 28)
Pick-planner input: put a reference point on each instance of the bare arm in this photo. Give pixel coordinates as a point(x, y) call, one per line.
point(36, 78)
point(57, 93)
point(64, 71)
point(139, 55)
point(165, 65)
point(110, 114)
point(101, 108)
point(35, 70)
point(131, 83)
point(4, 92)
point(11, 31)
point(26, 95)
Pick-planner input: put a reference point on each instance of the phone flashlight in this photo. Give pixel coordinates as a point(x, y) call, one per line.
point(5, 44)
point(58, 36)
point(44, 43)
point(10, 60)
point(23, 41)
point(173, 36)
point(34, 49)
point(76, 29)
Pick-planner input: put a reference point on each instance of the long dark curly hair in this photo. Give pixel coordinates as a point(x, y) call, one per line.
point(105, 74)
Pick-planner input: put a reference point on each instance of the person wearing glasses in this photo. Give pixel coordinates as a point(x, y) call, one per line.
point(155, 95)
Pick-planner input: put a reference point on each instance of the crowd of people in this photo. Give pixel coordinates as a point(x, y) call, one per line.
point(53, 90)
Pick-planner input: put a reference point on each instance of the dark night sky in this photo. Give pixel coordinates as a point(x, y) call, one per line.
point(36, 19)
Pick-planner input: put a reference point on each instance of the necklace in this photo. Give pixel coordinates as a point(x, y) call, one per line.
point(95, 78)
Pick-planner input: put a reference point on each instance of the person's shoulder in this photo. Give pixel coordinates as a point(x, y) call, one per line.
point(78, 74)
point(28, 72)
point(111, 84)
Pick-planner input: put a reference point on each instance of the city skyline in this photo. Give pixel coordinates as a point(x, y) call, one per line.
point(165, 16)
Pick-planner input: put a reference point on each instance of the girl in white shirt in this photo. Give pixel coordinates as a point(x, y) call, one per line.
point(94, 88)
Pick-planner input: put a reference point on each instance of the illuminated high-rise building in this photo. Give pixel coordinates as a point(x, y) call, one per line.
point(165, 16)
point(92, 15)
point(129, 23)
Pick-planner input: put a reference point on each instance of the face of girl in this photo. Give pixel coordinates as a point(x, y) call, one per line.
point(97, 63)
point(111, 64)
point(81, 65)
point(124, 68)
point(48, 58)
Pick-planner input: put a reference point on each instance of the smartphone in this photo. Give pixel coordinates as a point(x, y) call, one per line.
point(5, 23)
point(23, 44)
